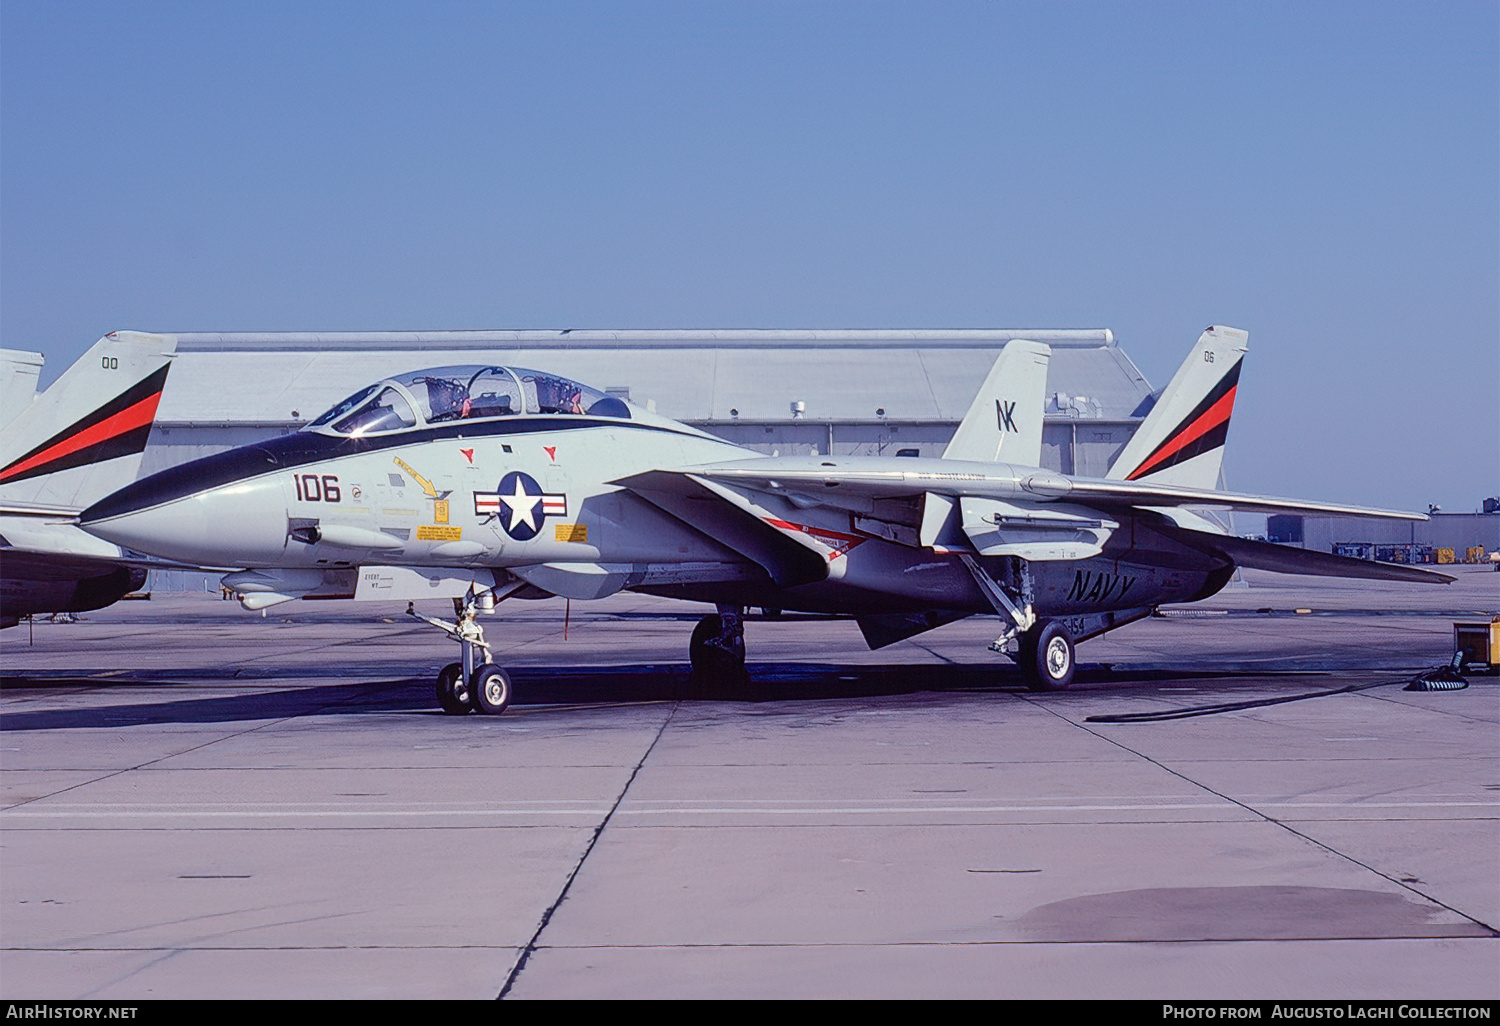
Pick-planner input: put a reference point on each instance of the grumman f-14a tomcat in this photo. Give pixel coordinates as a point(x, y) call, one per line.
point(516, 483)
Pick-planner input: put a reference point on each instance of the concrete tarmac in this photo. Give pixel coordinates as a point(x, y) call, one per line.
point(200, 802)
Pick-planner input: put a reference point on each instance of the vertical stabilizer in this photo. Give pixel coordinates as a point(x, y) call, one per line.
point(18, 377)
point(1005, 422)
point(1181, 441)
point(83, 437)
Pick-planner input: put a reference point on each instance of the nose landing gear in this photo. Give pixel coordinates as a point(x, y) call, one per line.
point(469, 685)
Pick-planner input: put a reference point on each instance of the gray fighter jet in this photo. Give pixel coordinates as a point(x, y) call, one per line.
point(504, 482)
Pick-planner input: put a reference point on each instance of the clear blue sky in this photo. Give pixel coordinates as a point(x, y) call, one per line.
point(1325, 175)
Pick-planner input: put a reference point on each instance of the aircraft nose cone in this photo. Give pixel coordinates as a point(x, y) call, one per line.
point(172, 530)
point(242, 524)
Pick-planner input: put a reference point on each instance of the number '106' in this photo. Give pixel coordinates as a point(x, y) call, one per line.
point(312, 488)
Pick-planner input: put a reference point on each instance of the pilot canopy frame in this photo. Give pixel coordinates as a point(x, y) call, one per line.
point(473, 392)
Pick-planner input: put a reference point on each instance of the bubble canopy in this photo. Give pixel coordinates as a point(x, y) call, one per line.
point(442, 394)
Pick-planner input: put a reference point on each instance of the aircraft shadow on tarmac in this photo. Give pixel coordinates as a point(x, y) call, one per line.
point(599, 686)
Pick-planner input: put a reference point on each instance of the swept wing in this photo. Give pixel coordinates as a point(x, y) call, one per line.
point(1037, 513)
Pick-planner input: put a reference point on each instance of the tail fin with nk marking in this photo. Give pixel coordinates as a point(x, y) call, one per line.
point(1004, 424)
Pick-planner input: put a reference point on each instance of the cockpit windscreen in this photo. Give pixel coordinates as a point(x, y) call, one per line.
point(463, 393)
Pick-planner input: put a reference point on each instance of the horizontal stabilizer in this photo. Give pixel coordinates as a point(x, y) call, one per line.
point(1284, 559)
point(1093, 492)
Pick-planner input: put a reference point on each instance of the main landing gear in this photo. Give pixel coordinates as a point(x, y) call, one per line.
point(1046, 653)
point(1044, 648)
point(717, 651)
point(468, 686)
point(1047, 656)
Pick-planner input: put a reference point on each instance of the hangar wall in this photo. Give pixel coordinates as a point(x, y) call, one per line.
point(786, 391)
point(1467, 537)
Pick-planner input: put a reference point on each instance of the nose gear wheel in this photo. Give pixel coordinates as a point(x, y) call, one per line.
point(453, 694)
point(490, 689)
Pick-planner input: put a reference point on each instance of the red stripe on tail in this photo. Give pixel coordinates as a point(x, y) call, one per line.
point(1214, 416)
point(129, 419)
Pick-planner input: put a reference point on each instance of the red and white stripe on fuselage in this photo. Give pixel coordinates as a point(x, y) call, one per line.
point(835, 542)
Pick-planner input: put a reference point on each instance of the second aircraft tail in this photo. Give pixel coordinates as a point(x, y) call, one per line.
point(83, 437)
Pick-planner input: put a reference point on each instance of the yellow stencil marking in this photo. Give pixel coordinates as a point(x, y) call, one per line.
point(427, 488)
point(571, 532)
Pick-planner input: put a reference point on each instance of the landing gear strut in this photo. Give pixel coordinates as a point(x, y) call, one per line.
point(468, 685)
point(717, 650)
point(1045, 648)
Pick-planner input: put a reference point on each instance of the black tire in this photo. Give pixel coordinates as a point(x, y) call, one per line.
point(452, 693)
point(1048, 657)
point(716, 669)
point(491, 689)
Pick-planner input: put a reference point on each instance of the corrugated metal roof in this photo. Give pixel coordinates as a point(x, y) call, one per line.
point(635, 338)
point(691, 376)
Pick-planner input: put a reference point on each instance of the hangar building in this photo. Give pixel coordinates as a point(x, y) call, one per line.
point(786, 391)
point(1445, 538)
